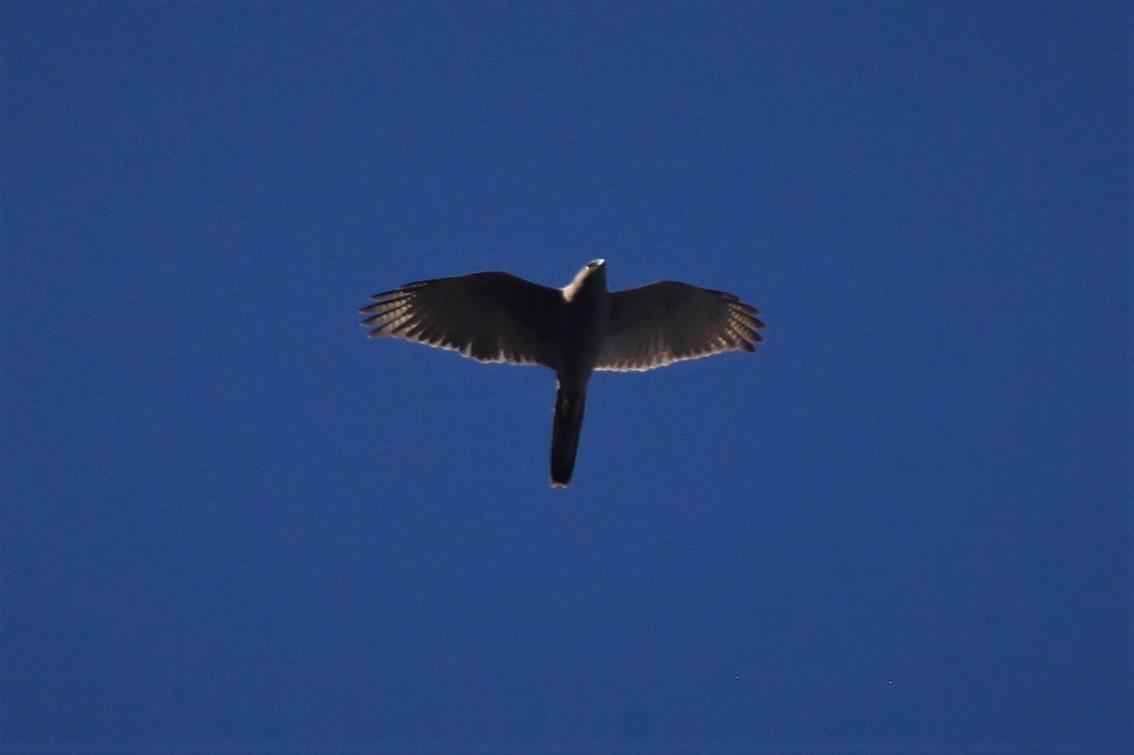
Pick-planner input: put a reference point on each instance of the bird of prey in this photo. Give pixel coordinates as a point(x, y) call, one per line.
point(574, 330)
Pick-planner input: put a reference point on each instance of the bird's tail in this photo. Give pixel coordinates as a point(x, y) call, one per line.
point(565, 434)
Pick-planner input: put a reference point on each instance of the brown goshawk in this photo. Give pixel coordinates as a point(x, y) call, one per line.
point(575, 330)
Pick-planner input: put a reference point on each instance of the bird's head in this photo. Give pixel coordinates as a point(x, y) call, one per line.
point(591, 279)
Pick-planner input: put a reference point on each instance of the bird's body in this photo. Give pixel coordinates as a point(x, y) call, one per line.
point(583, 322)
point(583, 327)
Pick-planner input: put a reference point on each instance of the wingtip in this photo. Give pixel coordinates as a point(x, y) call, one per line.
point(375, 322)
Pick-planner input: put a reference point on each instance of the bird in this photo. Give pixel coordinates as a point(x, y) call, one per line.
point(575, 330)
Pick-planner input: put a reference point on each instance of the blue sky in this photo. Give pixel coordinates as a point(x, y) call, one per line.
point(230, 521)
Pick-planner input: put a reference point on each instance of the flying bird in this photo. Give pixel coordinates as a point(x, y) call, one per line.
point(574, 330)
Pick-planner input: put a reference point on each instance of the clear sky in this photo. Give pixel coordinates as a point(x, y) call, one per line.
point(231, 521)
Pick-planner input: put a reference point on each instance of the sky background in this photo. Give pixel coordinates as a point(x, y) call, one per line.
point(231, 522)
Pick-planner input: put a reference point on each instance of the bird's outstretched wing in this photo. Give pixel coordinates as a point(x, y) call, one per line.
point(492, 317)
point(665, 322)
